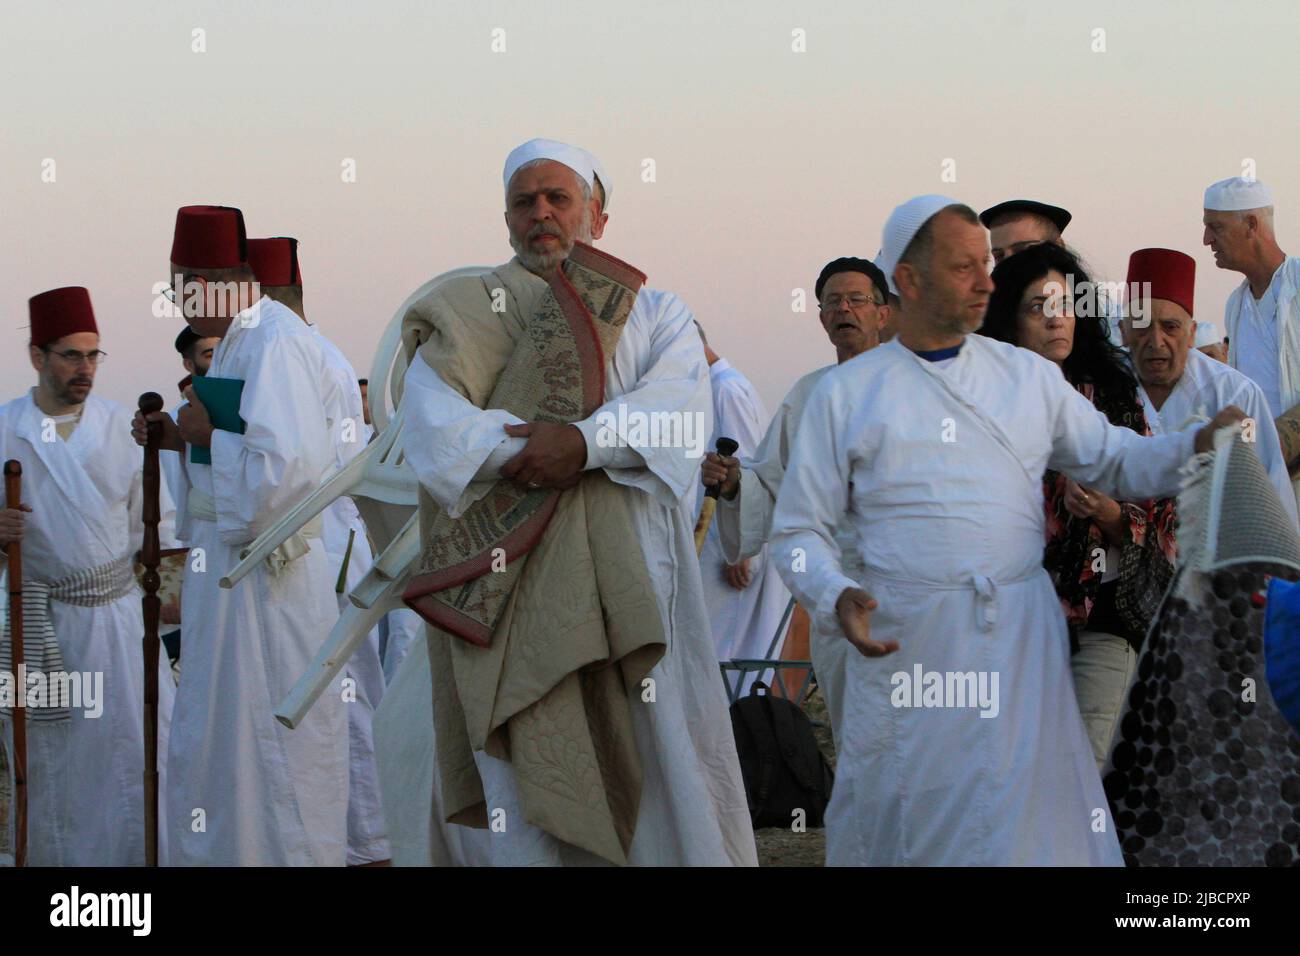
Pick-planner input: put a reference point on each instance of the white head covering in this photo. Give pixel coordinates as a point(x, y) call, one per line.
point(579, 160)
point(1207, 333)
point(1237, 193)
point(902, 226)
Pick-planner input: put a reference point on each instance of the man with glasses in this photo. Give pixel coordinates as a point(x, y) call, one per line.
point(79, 525)
point(852, 298)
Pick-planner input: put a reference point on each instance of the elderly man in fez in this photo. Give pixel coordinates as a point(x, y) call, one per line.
point(1181, 386)
point(931, 449)
point(79, 526)
point(1261, 319)
point(257, 445)
point(558, 570)
point(275, 263)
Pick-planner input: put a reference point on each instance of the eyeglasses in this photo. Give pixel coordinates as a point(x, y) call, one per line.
point(73, 357)
point(187, 279)
point(855, 301)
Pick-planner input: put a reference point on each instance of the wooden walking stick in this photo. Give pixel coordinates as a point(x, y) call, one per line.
point(150, 557)
point(726, 448)
point(13, 497)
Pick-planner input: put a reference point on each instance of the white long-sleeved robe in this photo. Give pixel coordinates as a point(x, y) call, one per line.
point(244, 789)
point(85, 790)
point(367, 832)
point(1205, 387)
point(939, 471)
point(743, 621)
point(1245, 351)
point(693, 809)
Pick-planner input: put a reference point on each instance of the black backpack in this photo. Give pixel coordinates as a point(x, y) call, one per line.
point(781, 764)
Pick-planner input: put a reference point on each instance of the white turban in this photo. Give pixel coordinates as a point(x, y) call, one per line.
point(1237, 193)
point(901, 228)
point(579, 160)
point(1207, 333)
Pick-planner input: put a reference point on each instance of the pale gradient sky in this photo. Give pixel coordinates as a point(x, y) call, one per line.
point(769, 162)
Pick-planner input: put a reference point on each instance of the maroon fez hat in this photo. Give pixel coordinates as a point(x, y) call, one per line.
point(209, 237)
point(60, 312)
point(1172, 275)
point(275, 261)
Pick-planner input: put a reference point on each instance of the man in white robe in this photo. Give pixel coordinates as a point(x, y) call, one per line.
point(244, 789)
point(1261, 318)
point(78, 530)
point(746, 598)
point(853, 309)
point(275, 263)
point(1180, 386)
point(692, 806)
point(965, 745)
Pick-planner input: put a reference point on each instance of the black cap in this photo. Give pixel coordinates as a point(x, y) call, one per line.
point(186, 339)
point(850, 264)
point(1055, 214)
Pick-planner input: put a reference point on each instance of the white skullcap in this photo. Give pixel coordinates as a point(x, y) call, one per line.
point(903, 225)
point(579, 160)
point(1237, 193)
point(1207, 333)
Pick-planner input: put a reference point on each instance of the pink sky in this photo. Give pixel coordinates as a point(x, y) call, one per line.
point(768, 161)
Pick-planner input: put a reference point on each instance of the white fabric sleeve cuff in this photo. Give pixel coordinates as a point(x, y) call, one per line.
point(604, 450)
point(823, 614)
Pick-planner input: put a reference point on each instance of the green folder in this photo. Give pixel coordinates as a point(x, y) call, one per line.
point(220, 396)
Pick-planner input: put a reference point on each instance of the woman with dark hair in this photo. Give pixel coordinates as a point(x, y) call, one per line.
point(1111, 561)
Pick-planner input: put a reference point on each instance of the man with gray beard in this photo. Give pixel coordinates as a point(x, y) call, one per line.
point(577, 713)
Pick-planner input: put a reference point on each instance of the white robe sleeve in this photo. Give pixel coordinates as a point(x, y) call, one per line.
point(455, 448)
point(745, 521)
point(1116, 461)
point(675, 380)
point(285, 448)
point(352, 424)
point(812, 502)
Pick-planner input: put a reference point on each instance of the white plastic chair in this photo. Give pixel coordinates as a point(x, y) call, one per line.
point(386, 493)
point(378, 479)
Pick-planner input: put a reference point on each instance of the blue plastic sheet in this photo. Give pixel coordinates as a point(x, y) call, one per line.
point(1282, 648)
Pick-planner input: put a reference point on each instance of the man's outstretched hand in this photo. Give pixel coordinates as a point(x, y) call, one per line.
point(854, 608)
point(552, 458)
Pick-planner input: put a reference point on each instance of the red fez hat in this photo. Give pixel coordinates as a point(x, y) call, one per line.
point(275, 261)
point(209, 237)
point(1172, 275)
point(60, 312)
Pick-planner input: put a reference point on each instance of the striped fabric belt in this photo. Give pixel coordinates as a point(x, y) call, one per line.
point(90, 587)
